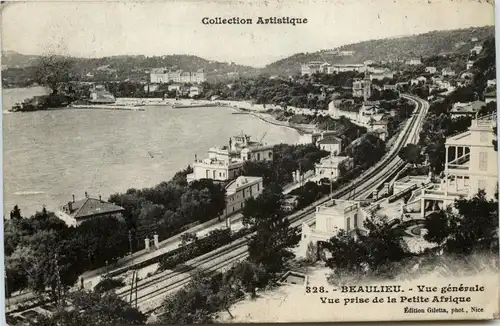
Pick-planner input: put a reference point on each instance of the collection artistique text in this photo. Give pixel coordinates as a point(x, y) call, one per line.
point(249, 21)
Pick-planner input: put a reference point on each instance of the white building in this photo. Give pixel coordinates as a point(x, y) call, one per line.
point(312, 67)
point(76, 212)
point(358, 67)
point(215, 169)
point(331, 167)
point(331, 144)
point(447, 72)
point(470, 64)
point(239, 190)
point(477, 49)
point(490, 97)
point(414, 62)
point(471, 164)
point(381, 75)
point(315, 137)
point(362, 88)
point(331, 217)
point(431, 70)
point(164, 75)
point(226, 162)
point(466, 109)
point(491, 83)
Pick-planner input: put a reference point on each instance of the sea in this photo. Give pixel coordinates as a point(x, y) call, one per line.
point(48, 156)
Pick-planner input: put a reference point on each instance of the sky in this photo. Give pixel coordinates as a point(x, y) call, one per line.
point(105, 28)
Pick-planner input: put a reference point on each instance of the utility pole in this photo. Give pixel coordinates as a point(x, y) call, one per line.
point(132, 287)
point(6, 289)
point(58, 278)
point(130, 240)
point(136, 280)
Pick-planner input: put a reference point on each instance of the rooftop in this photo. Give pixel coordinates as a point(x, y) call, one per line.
point(467, 107)
point(332, 160)
point(241, 181)
point(338, 206)
point(330, 140)
point(87, 207)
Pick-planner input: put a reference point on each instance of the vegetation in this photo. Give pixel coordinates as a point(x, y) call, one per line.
point(411, 154)
point(206, 295)
point(41, 249)
point(263, 90)
point(287, 160)
point(423, 45)
point(382, 243)
point(168, 207)
point(94, 308)
point(274, 237)
point(472, 228)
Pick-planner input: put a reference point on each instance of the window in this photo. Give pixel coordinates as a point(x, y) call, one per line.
point(270, 154)
point(348, 224)
point(483, 161)
point(483, 137)
point(243, 193)
point(481, 184)
point(258, 156)
point(355, 221)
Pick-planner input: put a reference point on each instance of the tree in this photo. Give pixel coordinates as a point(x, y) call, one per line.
point(411, 153)
point(93, 308)
point(52, 71)
point(15, 213)
point(474, 228)
point(347, 253)
point(271, 243)
point(380, 244)
point(438, 227)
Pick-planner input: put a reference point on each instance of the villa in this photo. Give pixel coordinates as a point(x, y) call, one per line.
point(239, 190)
point(471, 164)
point(76, 212)
point(329, 218)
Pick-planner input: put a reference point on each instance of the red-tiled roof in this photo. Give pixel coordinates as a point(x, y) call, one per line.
point(88, 207)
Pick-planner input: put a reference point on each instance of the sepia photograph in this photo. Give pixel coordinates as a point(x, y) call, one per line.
point(194, 162)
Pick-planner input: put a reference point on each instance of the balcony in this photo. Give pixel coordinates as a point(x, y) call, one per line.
point(460, 163)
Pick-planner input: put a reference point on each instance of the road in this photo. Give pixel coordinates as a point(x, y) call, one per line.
point(152, 291)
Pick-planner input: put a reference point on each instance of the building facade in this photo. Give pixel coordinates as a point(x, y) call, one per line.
point(471, 164)
point(332, 167)
point(164, 75)
point(331, 144)
point(239, 190)
point(331, 217)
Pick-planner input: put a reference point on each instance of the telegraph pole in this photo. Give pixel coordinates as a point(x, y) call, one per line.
point(130, 240)
point(136, 280)
point(132, 287)
point(58, 278)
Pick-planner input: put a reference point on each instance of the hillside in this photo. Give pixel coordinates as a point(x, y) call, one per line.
point(11, 59)
point(17, 68)
point(400, 48)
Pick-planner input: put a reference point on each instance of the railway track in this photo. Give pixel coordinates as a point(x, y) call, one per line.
point(152, 291)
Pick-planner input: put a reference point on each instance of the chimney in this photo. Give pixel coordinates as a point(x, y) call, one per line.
point(86, 195)
point(70, 207)
point(73, 198)
point(100, 198)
